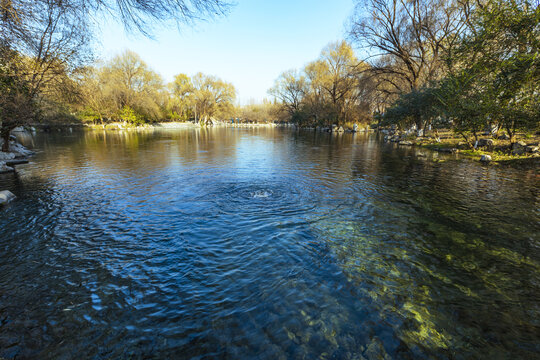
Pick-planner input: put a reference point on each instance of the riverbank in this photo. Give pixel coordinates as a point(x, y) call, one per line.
point(525, 150)
point(171, 125)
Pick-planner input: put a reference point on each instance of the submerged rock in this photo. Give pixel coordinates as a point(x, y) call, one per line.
point(6, 196)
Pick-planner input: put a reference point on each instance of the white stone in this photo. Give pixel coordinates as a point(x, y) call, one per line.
point(6, 196)
point(485, 158)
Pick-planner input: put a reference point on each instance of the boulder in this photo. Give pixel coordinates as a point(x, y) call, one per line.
point(532, 149)
point(486, 142)
point(355, 128)
point(518, 148)
point(340, 129)
point(406, 143)
point(334, 127)
point(15, 148)
point(485, 158)
point(448, 150)
point(6, 196)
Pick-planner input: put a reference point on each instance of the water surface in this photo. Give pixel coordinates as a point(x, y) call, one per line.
point(268, 244)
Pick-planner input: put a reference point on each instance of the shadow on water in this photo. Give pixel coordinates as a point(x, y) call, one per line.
point(244, 243)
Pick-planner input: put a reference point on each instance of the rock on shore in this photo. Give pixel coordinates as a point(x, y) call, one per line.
point(6, 196)
point(16, 151)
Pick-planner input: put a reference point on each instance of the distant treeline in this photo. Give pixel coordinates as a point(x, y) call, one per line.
point(46, 48)
point(467, 65)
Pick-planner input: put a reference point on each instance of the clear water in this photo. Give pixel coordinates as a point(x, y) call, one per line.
point(267, 244)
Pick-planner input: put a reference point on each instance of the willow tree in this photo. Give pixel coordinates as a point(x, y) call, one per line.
point(211, 97)
point(180, 100)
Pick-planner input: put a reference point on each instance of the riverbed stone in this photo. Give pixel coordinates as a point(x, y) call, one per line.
point(406, 143)
point(340, 129)
point(6, 196)
point(355, 128)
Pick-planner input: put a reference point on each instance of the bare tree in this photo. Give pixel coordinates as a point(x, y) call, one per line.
point(406, 39)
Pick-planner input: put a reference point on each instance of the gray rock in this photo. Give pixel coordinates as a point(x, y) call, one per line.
point(355, 128)
point(486, 142)
point(6, 196)
point(519, 148)
point(15, 148)
point(448, 150)
point(532, 149)
point(485, 158)
point(406, 143)
point(6, 156)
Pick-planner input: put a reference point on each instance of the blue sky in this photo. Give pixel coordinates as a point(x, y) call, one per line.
point(249, 48)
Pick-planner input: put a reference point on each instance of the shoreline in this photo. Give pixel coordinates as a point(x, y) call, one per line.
point(499, 152)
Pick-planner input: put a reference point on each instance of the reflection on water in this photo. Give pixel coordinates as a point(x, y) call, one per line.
point(263, 243)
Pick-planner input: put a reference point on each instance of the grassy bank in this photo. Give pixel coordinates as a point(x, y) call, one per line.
point(501, 151)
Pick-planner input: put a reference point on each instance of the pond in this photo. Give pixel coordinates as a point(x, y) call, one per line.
point(265, 243)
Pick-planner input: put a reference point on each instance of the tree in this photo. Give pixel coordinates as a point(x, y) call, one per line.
point(212, 97)
point(406, 39)
point(180, 104)
point(290, 89)
point(493, 76)
point(333, 89)
point(134, 85)
point(16, 103)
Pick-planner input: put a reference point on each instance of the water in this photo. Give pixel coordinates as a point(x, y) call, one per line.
point(268, 244)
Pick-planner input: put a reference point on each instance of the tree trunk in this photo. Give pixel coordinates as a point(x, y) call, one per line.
point(4, 134)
